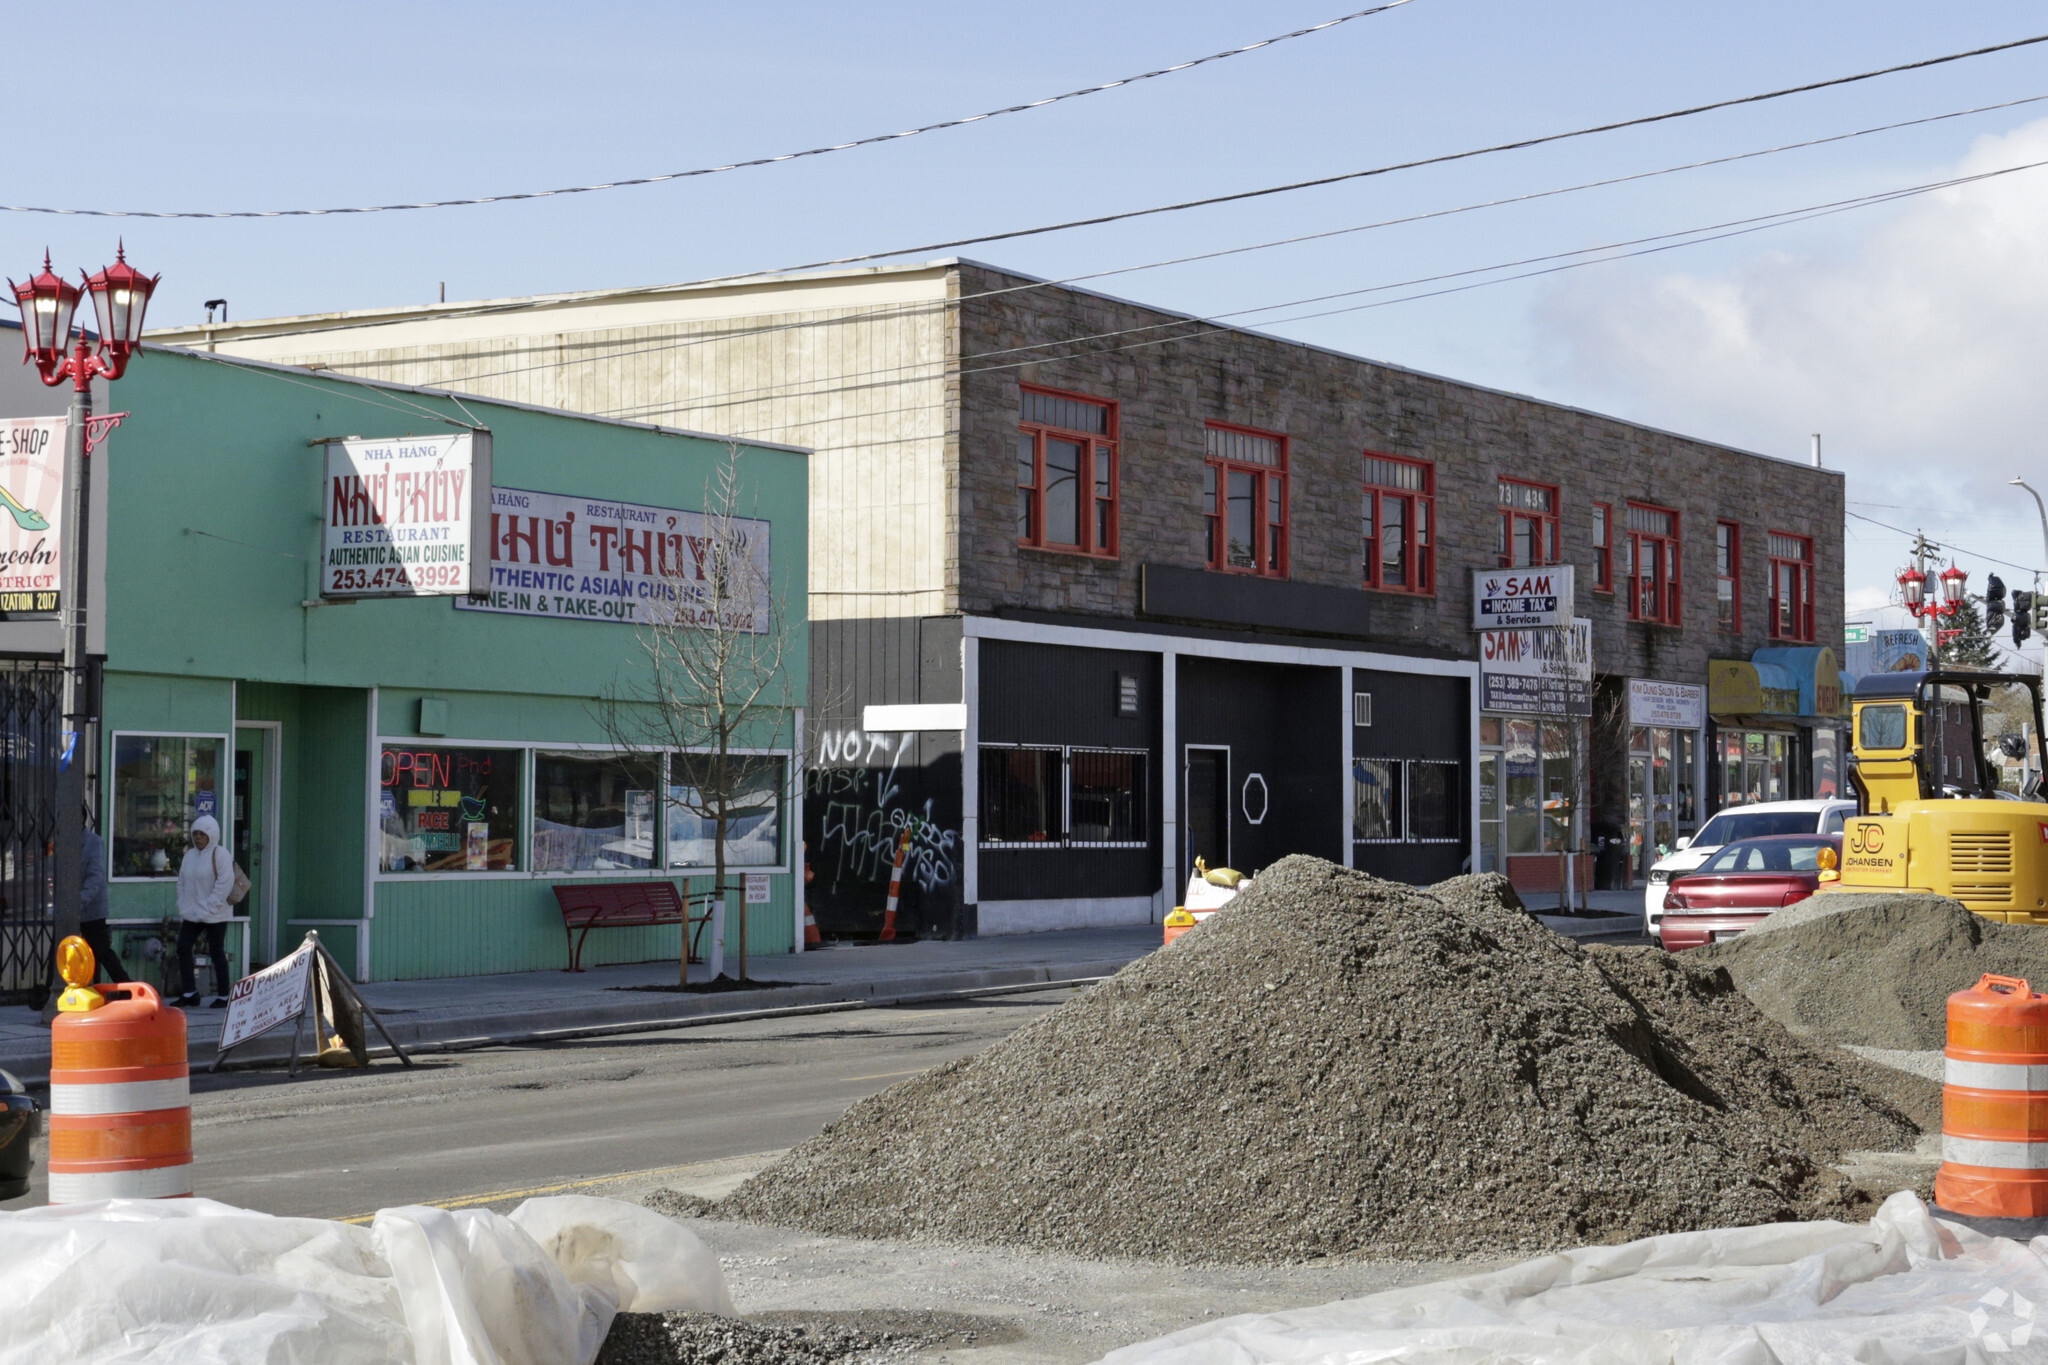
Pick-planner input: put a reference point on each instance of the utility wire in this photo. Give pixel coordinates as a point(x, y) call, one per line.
point(637, 291)
point(1117, 84)
point(884, 312)
point(2023, 568)
point(1600, 253)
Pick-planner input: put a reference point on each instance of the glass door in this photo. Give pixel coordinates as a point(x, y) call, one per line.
point(251, 836)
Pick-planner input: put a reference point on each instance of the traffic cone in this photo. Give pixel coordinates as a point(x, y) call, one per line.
point(812, 939)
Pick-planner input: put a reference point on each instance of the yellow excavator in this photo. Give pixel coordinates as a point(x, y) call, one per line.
point(1948, 783)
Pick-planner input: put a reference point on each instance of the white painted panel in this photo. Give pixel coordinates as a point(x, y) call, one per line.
point(1032, 917)
point(945, 715)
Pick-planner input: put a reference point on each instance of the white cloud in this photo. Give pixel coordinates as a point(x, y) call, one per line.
point(1919, 350)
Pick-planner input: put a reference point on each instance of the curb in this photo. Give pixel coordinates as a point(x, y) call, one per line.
point(631, 1015)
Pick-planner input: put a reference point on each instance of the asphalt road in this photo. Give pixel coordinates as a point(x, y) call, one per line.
point(458, 1128)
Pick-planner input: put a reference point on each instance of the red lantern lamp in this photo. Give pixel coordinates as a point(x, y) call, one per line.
point(1913, 587)
point(1952, 582)
point(120, 298)
point(48, 304)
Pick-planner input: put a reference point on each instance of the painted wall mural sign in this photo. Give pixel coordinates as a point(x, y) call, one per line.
point(31, 516)
point(403, 517)
point(1543, 672)
point(594, 559)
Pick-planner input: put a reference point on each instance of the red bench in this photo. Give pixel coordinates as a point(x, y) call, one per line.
point(629, 905)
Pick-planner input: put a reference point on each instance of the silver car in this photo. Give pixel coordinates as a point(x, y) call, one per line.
point(1739, 822)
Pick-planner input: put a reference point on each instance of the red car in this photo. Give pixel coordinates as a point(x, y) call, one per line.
point(1741, 884)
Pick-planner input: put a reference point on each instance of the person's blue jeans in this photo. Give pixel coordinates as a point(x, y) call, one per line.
point(216, 948)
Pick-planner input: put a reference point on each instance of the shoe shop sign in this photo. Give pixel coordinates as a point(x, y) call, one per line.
point(31, 516)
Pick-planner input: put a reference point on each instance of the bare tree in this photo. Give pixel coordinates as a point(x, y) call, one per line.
point(713, 686)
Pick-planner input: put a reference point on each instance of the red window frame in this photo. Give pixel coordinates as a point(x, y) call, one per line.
point(1056, 421)
point(1791, 584)
point(1399, 497)
point(1232, 465)
point(1728, 575)
point(1528, 509)
point(1603, 547)
point(1650, 563)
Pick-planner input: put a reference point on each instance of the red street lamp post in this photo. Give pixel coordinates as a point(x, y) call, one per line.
point(49, 308)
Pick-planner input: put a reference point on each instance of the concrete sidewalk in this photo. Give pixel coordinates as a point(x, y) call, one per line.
point(472, 1011)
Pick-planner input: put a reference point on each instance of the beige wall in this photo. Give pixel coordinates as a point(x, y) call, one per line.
point(853, 367)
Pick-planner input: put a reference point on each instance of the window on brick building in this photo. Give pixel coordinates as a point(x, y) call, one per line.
point(1528, 523)
point(1728, 575)
point(1396, 516)
point(1066, 473)
point(1791, 584)
point(1245, 494)
point(1603, 547)
point(1649, 563)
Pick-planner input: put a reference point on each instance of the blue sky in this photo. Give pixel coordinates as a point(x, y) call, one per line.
point(1905, 332)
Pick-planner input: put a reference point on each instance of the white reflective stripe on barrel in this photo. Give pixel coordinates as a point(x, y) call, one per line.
point(156, 1182)
point(1995, 1075)
point(120, 1097)
point(2010, 1156)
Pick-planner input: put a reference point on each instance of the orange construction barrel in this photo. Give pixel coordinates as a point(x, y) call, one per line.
point(120, 1121)
point(1994, 1109)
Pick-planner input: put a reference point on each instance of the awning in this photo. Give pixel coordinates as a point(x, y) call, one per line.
point(1803, 682)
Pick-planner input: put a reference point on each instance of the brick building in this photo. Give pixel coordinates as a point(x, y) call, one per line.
point(1097, 587)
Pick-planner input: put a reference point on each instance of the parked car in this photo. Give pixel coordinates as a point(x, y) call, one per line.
point(18, 1129)
point(1740, 884)
point(1739, 822)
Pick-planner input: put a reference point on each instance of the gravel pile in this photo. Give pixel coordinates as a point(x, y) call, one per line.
point(1867, 969)
point(1336, 1064)
point(789, 1338)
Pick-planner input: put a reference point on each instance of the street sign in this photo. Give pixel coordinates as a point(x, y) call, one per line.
point(1511, 599)
point(1545, 672)
point(1856, 633)
point(408, 517)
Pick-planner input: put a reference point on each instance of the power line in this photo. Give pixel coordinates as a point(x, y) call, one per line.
point(1690, 237)
point(1117, 84)
point(882, 312)
point(2023, 568)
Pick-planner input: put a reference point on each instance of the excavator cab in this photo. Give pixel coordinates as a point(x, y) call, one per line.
point(1948, 781)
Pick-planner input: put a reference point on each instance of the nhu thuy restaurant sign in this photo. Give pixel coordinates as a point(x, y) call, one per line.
point(596, 559)
point(405, 517)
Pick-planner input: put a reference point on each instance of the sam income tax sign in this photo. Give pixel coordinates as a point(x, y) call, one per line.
point(31, 515)
point(403, 516)
point(1512, 599)
point(1538, 672)
point(594, 559)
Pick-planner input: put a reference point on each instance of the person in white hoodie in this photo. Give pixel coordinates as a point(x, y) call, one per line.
point(204, 880)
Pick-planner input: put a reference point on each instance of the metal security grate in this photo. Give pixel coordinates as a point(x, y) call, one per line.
point(1980, 855)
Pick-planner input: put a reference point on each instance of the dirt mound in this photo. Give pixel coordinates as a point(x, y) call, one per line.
point(1479, 890)
point(1338, 1064)
point(1868, 969)
point(800, 1338)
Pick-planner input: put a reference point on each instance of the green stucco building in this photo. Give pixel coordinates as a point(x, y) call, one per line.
point(412, 776)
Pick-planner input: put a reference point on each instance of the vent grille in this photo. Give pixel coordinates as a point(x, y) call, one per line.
point(1980, 855)
point(1983, 895)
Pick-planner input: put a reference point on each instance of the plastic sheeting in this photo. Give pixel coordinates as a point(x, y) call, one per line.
point(201, 1283)
point(1903, 1288)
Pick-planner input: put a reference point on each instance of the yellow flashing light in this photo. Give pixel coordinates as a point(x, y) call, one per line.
point(76, 964)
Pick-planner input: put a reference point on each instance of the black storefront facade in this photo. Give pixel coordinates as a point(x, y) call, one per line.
point(1045, 773)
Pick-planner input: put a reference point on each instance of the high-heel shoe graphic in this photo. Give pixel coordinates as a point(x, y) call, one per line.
point(27, 518)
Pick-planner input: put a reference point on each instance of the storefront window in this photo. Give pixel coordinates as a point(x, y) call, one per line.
point(1662, 800)
point(1756, 765)
point(1433, 815)
point(162, 783)
point(755, 785)
point(1106, 798)
point(449, 810)
point(1376, 784)
point(594, 812)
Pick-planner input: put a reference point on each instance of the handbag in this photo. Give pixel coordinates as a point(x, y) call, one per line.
point(239, 892)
